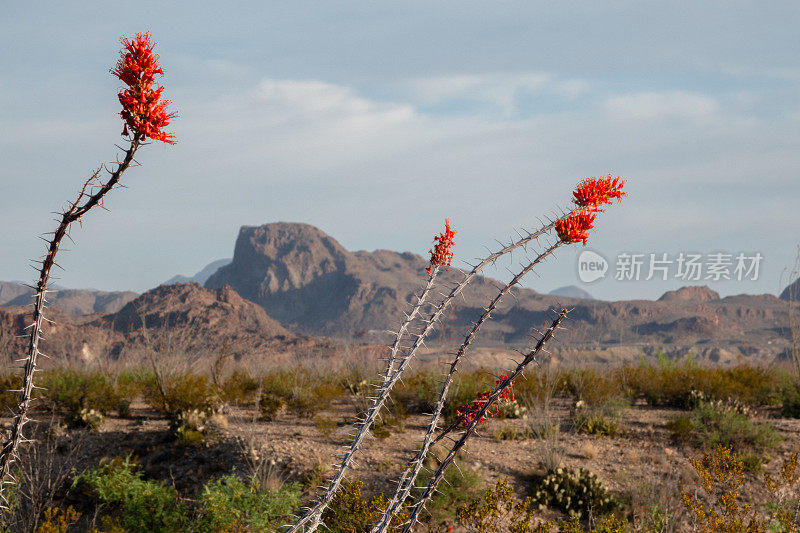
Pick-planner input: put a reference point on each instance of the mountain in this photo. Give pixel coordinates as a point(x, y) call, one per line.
point(183, 319)
point(311, 284)
point(72, 301)
point(792, 291)
point(201, 276)
point(571, 291)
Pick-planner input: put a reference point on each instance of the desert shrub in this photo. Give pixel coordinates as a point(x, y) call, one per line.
point(460, 485)
point(603, 418)
point(671, 384)
point(713, 424)
point(57, 520)
point(127, 385)
point(181, 393)
point(508, 432)
point(9, 399)
point(574, 492)
point(230, 504)
point(593, 387)
point(607, 524)
point(239, 389)
point(417, 393)
point(790, 401)
point(79, 394)
point(498, 507)
point(350, 512)
point(303, 393)
point(721, 477)
point(131, 502)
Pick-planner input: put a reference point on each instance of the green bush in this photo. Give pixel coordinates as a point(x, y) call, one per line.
point(230, 504)
point(460, 485)
point(133, 503)
point(239, 389)
point(8, 399)
point(498, 508)
point(671, 383)
point(298, 390)
point(174, 395)
point(598, 419)
point(574, 492)
point(350, 512)
point(713, 424)
point(790, 402)
point(77, 392)
point(417, 393)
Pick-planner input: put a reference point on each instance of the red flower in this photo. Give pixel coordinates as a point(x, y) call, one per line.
point(593, 192)
point(441, 254)
point(466, 413)
point(575, 227)
point(142, 108)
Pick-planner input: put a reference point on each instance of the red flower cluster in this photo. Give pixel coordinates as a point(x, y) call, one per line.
point(589, 195)
point(441, 254)
point(593, 192)
point(575, 227)
point(142, 108)
point(466, 413)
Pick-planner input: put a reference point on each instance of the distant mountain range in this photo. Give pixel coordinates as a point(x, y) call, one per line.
point(72, 301)
point(201, 276)
point(571, 291)
point(182, 319)
point(306, 283)
point(311, 284)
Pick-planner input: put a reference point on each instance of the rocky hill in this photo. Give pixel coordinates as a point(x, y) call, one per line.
point(184, 319)
point(310, 283)
point(72, 301)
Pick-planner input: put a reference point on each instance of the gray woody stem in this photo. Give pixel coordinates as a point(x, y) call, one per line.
point(438, 475)
point(9, 451)
point(312, 519)
point(406, 482)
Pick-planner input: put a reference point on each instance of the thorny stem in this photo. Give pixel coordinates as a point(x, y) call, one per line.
point(438, 475)
point(9, 451)
point(406, 482)
point(312, 519)
point(314, 516)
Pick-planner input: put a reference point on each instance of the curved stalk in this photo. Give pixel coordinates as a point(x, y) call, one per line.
point(86, 200)
point(438, 475)
point(406, 482)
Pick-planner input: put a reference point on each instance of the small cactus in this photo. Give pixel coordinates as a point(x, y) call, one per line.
point(574, 492)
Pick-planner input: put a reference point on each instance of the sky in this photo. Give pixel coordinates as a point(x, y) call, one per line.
point(375, 121)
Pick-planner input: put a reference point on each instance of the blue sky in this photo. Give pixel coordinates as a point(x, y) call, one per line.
point(375, 121)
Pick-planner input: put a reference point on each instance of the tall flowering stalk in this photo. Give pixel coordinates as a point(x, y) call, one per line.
point(600, 194)
point(441, 255)
point(145, 115)
point(573, 227)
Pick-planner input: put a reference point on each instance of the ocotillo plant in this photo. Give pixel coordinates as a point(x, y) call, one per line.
point(145, 115)
point(588, 199)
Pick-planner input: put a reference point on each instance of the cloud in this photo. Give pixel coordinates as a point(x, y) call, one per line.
point(384, 173)
point(501, 93)
point(661, 105)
